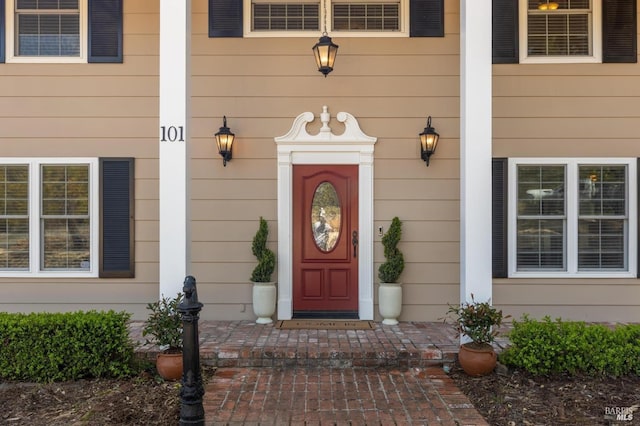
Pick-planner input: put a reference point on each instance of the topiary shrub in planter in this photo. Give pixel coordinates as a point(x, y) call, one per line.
point(264, 290)
point(390, 270)
point(390, 290)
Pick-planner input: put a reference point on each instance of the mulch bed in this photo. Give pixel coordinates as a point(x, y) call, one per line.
point(143, 400)
point(517, 398)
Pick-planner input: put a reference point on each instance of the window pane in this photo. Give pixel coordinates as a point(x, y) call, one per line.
point(65, 217)
point(602, 240)
point(14, 217)
point(602, 190)
point(285, 16)
point(601, 244)
point(541, 191)
point(540, 245)
point(65, 244)
point(366, 16)
point(540, 239)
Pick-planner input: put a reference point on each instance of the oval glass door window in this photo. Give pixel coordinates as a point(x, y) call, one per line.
point(325, 217)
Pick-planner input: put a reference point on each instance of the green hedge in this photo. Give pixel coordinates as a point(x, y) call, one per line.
point(46, 347)
point(574, 347)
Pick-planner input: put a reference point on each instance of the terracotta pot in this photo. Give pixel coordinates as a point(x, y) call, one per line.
point(169, 366)
point(477, 360)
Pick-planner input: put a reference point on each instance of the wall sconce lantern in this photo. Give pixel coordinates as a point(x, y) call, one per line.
point(325, 50)
point(224, 140)
point(428, 142)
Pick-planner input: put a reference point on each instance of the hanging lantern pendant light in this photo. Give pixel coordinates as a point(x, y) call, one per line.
point(325, 50)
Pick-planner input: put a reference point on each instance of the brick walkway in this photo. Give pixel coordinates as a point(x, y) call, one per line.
point(332, 396)
point(391, 375)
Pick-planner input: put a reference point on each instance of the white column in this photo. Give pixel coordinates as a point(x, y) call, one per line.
point(175, 40)
point(475, 150)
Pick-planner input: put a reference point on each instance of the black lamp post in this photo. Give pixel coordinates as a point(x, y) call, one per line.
point(224, 141)
point(325, 53)
point(428, 142)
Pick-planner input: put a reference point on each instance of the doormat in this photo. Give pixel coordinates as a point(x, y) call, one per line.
point(311, 324)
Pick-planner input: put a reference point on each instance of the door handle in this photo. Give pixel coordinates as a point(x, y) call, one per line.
point(354, 241)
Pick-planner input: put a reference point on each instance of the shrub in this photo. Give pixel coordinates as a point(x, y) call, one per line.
point(390, 270)
point(573, 347)
point(47, 347)
point(478, 321)
point(164, 324)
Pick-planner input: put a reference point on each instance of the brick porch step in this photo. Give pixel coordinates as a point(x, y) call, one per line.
point(246, 344)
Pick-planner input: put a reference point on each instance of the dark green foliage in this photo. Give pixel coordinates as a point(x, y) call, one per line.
point(477, 320)
point(390, 270)
point(574, 347)
point(266, 258)
point(164, 323)
point(47, 347)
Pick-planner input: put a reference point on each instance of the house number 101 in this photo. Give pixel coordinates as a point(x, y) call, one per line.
point(172, 134)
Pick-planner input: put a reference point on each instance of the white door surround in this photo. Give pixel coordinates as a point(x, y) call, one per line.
point(350, 147)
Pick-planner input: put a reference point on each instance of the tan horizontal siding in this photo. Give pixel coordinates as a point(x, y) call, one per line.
point(406, 189)
point(248, 106)
point(220, 272)
point(68, 85)
point(80, 106)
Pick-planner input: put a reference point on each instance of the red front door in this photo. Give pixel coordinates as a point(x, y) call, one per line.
point(325, 241)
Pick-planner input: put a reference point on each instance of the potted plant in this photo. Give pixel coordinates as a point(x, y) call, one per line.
point(264, 290)
point(478, 321)
point(390, 290)
point(164, 325)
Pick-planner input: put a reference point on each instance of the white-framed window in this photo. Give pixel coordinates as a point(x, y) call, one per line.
point(561, 31)
point(46, 31)
point(348, 18)
point(48, 217)
point(572, 217)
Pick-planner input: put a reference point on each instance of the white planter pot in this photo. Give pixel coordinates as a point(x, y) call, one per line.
point(390, 302)
point(264, 301)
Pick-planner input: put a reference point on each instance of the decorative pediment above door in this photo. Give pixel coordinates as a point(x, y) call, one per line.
point(352, 133)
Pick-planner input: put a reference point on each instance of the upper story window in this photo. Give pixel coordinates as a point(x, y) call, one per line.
point(348, 18)
point(572, 217)
point(47, 28)
point(560, 31)
point(61, 31)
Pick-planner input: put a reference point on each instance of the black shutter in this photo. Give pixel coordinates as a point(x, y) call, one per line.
point(499, 217)
point(116, 218)
point(426, 18)
point(225, 18)
point(105, 31)
point(619, 34)
point(505, 32)
point(2, 29)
